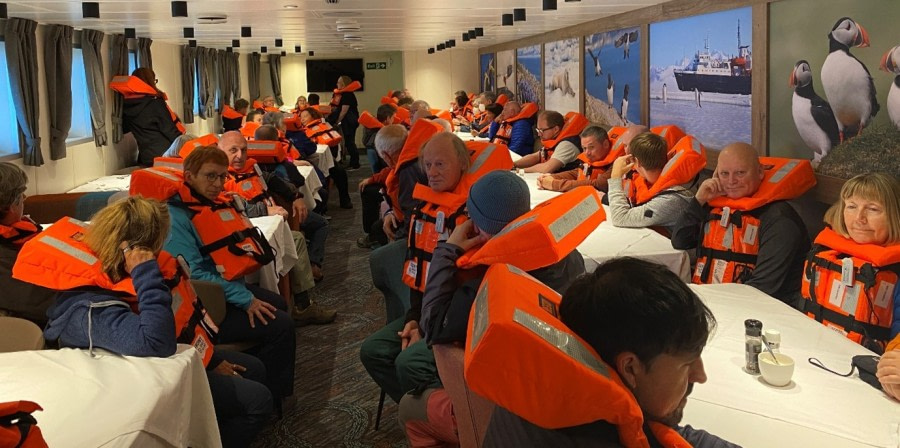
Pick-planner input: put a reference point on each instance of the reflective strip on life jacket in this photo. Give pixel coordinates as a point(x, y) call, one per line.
point(535, 381)
point(687, 159)
point(543, 236)
point(190, 145)
point(856, 300)
point(175, 163)
point(19, 232)
point(267, 151)
point(574, 124)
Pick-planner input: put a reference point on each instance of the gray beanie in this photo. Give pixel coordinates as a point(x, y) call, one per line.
point(497, 199)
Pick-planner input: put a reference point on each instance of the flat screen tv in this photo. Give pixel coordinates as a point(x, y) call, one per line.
point(322, 74)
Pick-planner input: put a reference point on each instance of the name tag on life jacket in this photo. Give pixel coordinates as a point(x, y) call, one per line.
point(719, 267)
point(750, 232)
point(884, 295)
point(412, 269)
point(847, 271)
point(439, 222)
point(726, 216)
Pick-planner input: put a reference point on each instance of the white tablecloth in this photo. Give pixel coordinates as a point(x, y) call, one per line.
point(817, 409)
point(113, 400)
point(324, 159)
point(608, 241)
point(279, 236)
point(467, 136)
point(311, 188)
point(105, 183)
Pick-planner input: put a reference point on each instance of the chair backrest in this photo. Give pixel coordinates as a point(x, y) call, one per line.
point(18, 335)
point(473, 412)
point(213, 298)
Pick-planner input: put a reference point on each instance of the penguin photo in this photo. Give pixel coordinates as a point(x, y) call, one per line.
point(624, 110)
point(890, 63)
point(813, 116)
point(597, 69)
point(610, 89)
point(846, 80)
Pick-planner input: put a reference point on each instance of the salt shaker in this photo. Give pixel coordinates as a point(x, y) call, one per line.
point(773, 337)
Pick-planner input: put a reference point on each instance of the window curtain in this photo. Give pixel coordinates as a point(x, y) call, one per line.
point(188, 82)
point(145, 58)
point(235, 77)
point(21, 60)
point(205, 74)
point(253, 76)
point(58, 76)
point(91, 40)
point(118, 65)
point(223, 86)
point(275, 74)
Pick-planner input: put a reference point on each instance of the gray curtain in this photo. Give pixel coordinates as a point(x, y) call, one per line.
point(188, 82)
point(21, 60)
point(223, 84)
point(118, 65)
point(275, 74)
point(253, 76)
point(235, 77)
point(93, 74)
point(145, 58)
point(206, 75)
point(58, 76)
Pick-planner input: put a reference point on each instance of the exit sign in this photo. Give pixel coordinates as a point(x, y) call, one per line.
point(371, 65)
point(376, 65)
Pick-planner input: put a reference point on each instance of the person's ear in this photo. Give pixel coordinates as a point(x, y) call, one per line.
point(629, 367)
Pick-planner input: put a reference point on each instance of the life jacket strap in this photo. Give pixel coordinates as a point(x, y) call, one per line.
point(848, 322)
point(726, 255)
point(231, 242)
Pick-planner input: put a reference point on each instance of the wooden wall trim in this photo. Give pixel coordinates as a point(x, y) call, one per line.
point(759, 108)
point(645, 74)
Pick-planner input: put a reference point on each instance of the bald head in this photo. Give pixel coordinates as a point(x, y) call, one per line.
point(420, 114)
point(444, 158)
point(739, 171)
point(630, 133)
point(234, 145)
point(511, 109)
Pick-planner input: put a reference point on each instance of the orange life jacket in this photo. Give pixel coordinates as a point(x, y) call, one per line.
point(505, 129)
point(591, 170)
point(670, 133)
point(401, 116)
point(369, 121)
point(439, 213)
point(132, 87)
point(551, 377)
point(258, 105)
point(388, 99)
point(322, 133)
point(543, 236)
point(466, 112)
point(190, 145)
point(857, 301)
point(442, 113)
point(336, 98)
point(502, 99)
point(58, 259)
point(423, 130)
point(229, 113)
point(19, 232)
point(731, 234)
point(271, 109)
point(571, 130)
point(248, 182)
point(687, 160)
point(267, 151)
point(248, 130)
point(175, 163)
point(18, 428)
point(236, 247)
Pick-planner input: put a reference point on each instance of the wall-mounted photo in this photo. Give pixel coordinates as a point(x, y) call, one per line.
point(561, 71)
point(488, 72)
point(506, 72)
point(700, 71)
point(834, 85)
point(528, 74)
point(612, 77)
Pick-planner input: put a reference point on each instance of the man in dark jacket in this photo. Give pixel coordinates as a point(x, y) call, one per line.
point(150, 121)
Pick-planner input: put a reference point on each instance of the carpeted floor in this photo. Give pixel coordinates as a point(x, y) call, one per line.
point(336, 399)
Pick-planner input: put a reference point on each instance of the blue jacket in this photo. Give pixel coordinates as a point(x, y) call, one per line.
point(183, 240)
point(521, 138)
point(116, 328)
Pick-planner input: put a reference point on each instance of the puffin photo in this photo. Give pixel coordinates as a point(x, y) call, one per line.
point(846, 80)
point(813, 116)
point(890, 63)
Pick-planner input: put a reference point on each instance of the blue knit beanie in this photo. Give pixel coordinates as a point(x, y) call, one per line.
point(497, 199)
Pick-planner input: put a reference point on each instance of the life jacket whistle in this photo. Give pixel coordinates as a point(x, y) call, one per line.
point(849, 287)
point(534, 381)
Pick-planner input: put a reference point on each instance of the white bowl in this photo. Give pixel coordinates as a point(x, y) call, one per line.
point(776, 374)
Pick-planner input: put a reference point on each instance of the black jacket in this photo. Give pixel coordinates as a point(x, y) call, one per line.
point(149, 121)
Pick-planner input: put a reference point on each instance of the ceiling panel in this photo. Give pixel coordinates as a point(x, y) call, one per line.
point(384, 24)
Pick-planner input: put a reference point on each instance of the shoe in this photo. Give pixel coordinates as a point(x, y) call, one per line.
point(313, 314)
point(364, 242)
point(318, 276)
point(346, 204)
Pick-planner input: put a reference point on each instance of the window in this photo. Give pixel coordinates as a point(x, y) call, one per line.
point(132, 61)
point(9, 127)
point(81, 102)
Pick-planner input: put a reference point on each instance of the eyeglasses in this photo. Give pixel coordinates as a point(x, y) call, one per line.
point(541, 131)
point(212, 177)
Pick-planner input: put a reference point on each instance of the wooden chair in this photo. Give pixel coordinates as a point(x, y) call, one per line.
point(473, 412)
point(213, 298)
point(18, 335)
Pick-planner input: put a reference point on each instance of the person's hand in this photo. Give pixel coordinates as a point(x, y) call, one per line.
point(301, 163)
point(228, 369)
point(409, 335)
point(543, 182)
point(135, 255)
point(259, 310)
point(363, 183)
point(888, 373)
point(301, 211)
point(389, 225)
point(474, 132)
point(276, 210)
point(465, 236)
point(622, 165)
point(709, 189)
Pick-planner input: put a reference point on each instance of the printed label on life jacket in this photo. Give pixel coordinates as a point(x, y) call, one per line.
point(836, 329)
point(246, 185)
point(851, 298)
point(884, 295)
point(203, 346)
point(719, 267)
point(726, 216)
point(728, 237)
point(226, 215)
point(750, 234)
point(549, 306)
point(420, 226)
point(847, 271)
point(439, 222)
point(247, 247)
point(699, 269)
point(412, 269)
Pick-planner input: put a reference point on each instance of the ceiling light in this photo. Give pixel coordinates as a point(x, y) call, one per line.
point(441, 47)
point(465, 37)
point(228, 49)
point(312, 53)
point(549, 5)
point(279, 43)
point(297, 49)
point(472, 34)
point(263, 49)
point(479, 32)
point(188, 33)
point(179, 9)
point(506, 19)
point(519, 14)
point(3, 14)
point(90, 10)
point(130, 33)
point(291, 6)
point(235, 43)
point(284, 53)
point(431, 50)
point(452, 43)
point(246, 31)
point(192, 43)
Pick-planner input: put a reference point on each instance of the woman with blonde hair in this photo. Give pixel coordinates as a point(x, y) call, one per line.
point(850, 275)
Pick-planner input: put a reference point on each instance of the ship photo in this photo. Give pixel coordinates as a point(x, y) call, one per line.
point(714, 74)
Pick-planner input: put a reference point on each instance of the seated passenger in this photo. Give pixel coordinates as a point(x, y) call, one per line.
point(251, 313)
point(863, 228)
point(299, 105)
point(596, 161)
point(389, 141)
point(482, 127)
point(646, 325)
point(513, 130)
point(745, 233)
point(268, 104)
point(652, 198)
point(384, 116)
point(558, 152)
point(19, 299)
point(233, 118)
point(461, 112)
point(122, 302)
